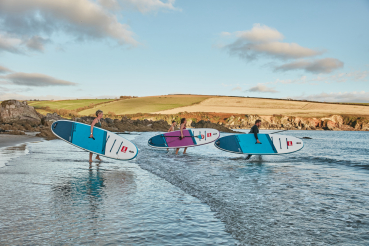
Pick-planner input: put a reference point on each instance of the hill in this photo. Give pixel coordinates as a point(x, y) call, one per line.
point(262, 106)
point(147, 104)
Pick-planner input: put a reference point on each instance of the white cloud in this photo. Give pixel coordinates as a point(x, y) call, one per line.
point(10, 44)
point(4, 70)
point(34, 79)
point(353, 76)
point(262, 40)
point(37, 43)
point(145, 6)
point(17, 96)
point(238, 88)
point(260, 33)
point(261, 88)
point(31, 22)
point(359, 97)
point(326, 65)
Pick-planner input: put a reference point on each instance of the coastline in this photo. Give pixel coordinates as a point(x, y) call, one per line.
point(8, 140)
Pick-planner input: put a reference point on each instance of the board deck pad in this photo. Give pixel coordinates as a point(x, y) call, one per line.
point(104, 143)
point(271, 144)
point(192, 137)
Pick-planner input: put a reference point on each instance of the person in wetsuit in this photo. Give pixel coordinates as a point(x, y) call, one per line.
point(255, 130)
point(182, 127)
point(96, 123)
point(172, 127)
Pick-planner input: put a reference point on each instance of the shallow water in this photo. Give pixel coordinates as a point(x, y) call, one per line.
point(317, 196)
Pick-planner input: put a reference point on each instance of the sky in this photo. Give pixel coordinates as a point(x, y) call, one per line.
point(314, 50)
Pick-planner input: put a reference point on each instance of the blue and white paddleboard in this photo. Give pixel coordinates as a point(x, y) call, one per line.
point(271, 144)
point(104, 143)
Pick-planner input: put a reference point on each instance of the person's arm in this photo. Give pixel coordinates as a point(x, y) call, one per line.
point(256, 131)
point(170, 129)
point(182, 126)
point(92, 128)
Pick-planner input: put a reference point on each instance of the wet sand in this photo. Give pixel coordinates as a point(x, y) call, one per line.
point(7, 140)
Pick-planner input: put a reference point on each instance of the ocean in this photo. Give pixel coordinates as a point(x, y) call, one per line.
point(318, 196)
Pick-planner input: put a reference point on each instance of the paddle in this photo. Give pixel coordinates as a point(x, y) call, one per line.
point(199, 136)
point(278, 131)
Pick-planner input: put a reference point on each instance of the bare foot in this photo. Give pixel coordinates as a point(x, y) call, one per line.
point(90, 161)
point(98, 158)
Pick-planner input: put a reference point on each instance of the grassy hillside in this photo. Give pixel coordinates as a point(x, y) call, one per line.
point(66, 104)
point(147, 104)
point(261, 106)
point(173, 104)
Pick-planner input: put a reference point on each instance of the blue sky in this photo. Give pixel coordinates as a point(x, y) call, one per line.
point(317, 50)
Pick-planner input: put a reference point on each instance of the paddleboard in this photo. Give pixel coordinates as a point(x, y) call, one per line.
point(104, 143)
point(192, 138)
point(271, 144)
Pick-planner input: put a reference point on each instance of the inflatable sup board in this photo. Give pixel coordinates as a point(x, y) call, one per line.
point(104, 143)
point(271, 144)
point(192, 138)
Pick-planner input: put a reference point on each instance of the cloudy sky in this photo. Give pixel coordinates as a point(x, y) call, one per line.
point(317, 50)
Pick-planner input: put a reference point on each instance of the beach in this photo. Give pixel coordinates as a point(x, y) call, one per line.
point(7, 140)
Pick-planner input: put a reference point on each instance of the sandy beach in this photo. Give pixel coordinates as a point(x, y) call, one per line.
point(7, 140)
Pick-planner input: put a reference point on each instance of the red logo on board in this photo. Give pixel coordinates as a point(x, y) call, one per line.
point(289, 143)
point(209, 134)
point(124, 149)
point(202, 136)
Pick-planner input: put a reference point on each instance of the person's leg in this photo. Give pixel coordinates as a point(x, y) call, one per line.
point(177, 151)
point(98, 158)
point(90, 157)
point(248, 157)
point(184, 152)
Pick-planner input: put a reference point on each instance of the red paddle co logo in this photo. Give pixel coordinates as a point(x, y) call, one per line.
point(124, 149)
point(289, 143)
point(207, 135)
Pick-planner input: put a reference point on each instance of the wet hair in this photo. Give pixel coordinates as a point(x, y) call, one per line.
point(257, 121)
point(173, 121)
point(183, 120)
point(98, 112)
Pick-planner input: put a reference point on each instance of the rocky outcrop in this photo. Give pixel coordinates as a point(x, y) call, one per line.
point(334, 122)
point(208, 124)
point(13, 111)
point(50, 118)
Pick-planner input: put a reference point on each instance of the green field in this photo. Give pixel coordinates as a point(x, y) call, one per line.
point(66, 104)
point(146, 104)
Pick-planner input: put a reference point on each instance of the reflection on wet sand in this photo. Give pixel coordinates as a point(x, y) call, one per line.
point(8, 153)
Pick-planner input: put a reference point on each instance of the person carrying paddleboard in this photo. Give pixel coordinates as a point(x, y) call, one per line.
point(182, 127)
point(255, 130)
point(96, 123)
point(172, 127)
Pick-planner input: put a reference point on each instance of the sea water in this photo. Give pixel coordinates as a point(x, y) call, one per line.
point(317, 196)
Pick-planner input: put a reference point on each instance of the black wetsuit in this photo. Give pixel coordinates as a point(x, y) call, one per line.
point(255, 131)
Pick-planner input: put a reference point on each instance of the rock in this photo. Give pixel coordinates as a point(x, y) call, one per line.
point(306, 138)
point(16, 132)
point(208, 124)
point(109, 121)
point(50, 118)
point(13, 111)
point(46, 133)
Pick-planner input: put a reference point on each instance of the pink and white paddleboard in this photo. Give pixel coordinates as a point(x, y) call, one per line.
point(192, 137)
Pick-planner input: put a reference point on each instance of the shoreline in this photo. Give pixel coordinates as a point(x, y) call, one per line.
point(8, 140)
